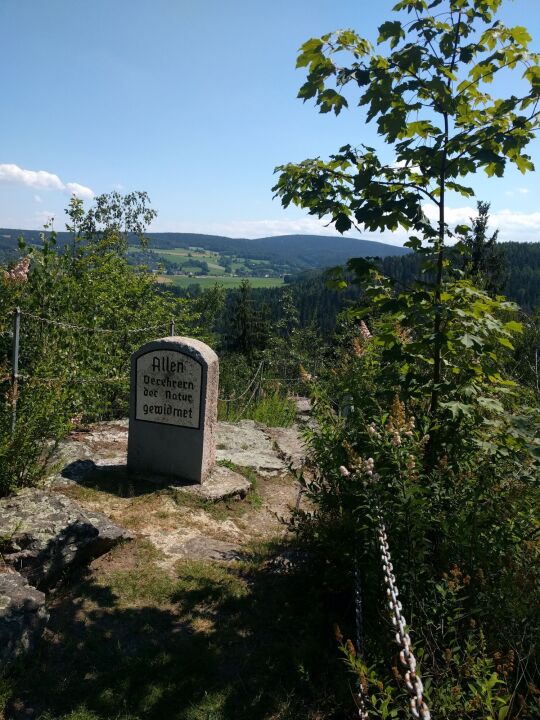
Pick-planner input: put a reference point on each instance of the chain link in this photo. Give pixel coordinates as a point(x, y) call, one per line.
point(36, 380)
point(413, 683)
point(361, 700)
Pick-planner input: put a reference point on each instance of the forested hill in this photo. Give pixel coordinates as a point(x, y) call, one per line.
point(521, 272)
point(319, 305)
point(298, 251)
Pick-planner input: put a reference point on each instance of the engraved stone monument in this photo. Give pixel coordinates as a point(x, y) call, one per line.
point(173, 409)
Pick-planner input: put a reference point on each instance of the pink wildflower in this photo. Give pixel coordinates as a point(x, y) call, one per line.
point(19, 272)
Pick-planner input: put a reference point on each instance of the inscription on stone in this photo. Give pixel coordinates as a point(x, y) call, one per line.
point(169, 385)
point(173, 409)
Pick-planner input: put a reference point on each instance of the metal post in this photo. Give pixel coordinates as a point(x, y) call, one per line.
point(15, 365)
point(171, 328)
point(259, 383)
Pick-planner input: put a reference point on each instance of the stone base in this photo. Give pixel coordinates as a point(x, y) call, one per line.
point(221, 484)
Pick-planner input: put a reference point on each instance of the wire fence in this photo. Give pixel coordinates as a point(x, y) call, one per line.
point(71, 326)
point(264, 380)
point(86, 377)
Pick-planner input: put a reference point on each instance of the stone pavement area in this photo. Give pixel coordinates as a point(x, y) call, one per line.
point(254, 462)
point(90, 503)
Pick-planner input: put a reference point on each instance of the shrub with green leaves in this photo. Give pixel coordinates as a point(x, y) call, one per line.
point(438, 433)
point(85, 309)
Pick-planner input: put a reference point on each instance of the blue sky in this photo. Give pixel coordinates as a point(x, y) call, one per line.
point(193, 101)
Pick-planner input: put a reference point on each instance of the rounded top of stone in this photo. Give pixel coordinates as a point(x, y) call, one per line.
point(188, 345)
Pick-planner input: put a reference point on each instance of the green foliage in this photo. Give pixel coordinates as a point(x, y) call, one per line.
point(437, 69)
point(83, 307)
point(461, 534)
point(483, 260)
point(248, 332)
point(525, 363)
point(273, 408)
point(428, 97)
point(26, 454)
point(437, 433)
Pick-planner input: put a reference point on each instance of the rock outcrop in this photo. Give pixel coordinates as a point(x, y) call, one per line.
point(44, 533)
point(22, 616)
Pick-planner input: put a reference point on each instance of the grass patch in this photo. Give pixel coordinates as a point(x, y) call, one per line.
point(227, 642)
point(144, 582)
point(208, 584)
point(275, 409)
point(184, 281)
point(219, 510)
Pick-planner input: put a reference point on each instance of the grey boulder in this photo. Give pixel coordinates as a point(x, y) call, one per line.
point(22, 616)
point(44, 533)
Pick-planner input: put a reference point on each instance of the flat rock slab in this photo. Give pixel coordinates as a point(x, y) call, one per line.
point(104, 442)
point(222, 484)
point(246, 444)
point(22, 616)
point(303, 405)
point(45, 533)
point(289, 445)
point(205, 548)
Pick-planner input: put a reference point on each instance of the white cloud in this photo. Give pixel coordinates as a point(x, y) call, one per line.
point(521, 191)
point(81, 191)
point(513, 226)
point(15, 175)
point(38, 198)
point(11, 173)
point(252, 228)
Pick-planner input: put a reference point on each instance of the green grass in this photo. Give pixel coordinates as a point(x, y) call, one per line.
point(177, 253)
point(274, 409)
point(241, 641)
point(228, 282)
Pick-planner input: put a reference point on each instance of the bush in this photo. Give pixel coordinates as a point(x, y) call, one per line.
point(461, 523)
point(83, 307)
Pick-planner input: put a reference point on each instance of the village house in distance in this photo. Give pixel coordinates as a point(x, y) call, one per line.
point(173, 409)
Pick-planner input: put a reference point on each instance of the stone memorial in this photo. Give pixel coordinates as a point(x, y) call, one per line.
point(173, 409)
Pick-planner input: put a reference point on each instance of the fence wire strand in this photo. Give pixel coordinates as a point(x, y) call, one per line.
point(248, 388)
point(71, 326)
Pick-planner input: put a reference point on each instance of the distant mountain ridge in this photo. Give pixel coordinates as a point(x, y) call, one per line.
point(301, 251)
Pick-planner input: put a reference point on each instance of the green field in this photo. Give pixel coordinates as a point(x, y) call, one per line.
point(228, 282)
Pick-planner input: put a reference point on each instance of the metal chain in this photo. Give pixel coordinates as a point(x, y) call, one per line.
point(35, 379)
point(413, 683)
point(361, 703)
point(145, 329)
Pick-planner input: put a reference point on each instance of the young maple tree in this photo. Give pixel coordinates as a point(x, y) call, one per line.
point(428, 95)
